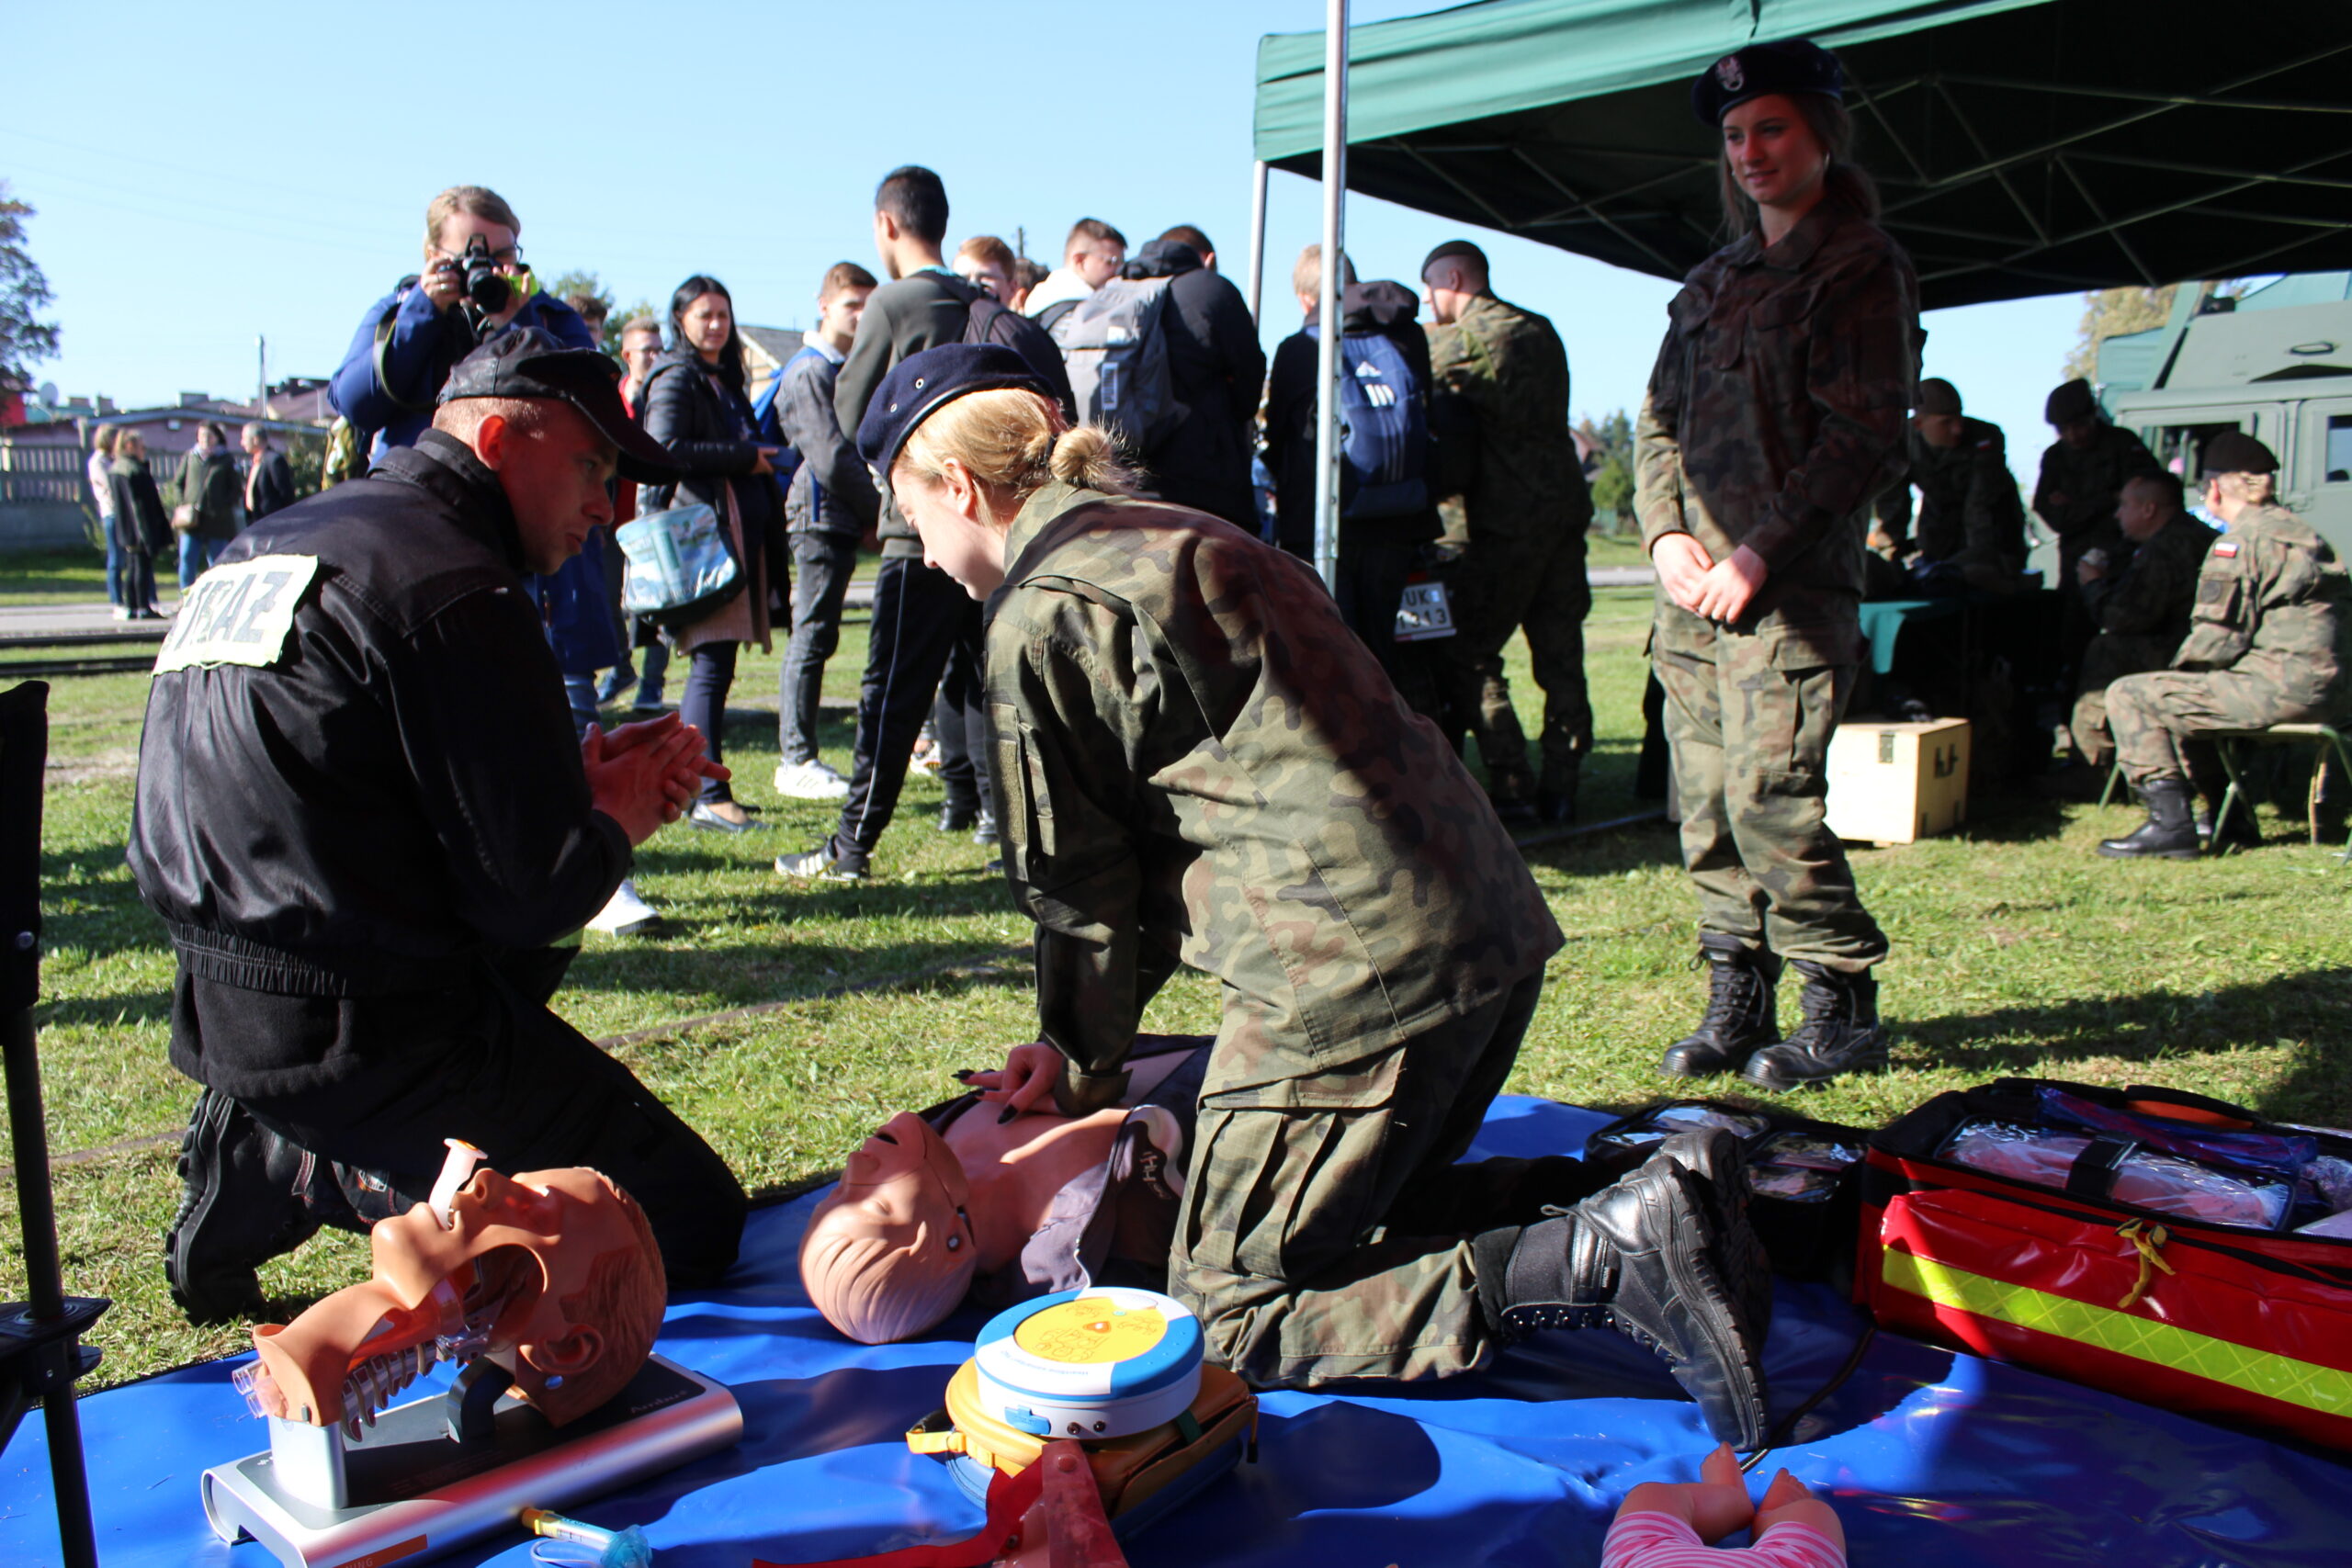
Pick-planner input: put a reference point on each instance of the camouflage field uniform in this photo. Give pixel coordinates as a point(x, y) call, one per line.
point(2076, 496)
point(2269, 642)
point(1968, 510)
point(1775, 416)
point(1198, 763)
point(2142, 614)
point(1520, 524)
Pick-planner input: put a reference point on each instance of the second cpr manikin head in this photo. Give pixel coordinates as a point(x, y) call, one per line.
point(890, 1251)
point(553, 1275)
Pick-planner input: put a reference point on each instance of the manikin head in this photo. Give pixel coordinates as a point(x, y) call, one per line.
point(889, 1251)
point(554, 1273)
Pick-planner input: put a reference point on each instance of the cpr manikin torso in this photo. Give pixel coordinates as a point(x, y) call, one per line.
point(926, 1207)
point(552, 1275)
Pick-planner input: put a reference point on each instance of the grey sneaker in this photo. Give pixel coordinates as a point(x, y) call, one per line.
point(818, 866)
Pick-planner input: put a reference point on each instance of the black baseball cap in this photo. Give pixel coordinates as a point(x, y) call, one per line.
point(1789, 66)
point(918, 384)
point(529, 361)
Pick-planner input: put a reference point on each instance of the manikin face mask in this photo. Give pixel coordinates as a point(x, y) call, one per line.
point(553, 1275)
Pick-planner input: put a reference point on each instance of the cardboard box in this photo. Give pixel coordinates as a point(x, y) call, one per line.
point(1895, 783)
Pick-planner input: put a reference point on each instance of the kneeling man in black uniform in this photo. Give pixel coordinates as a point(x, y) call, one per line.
point(363, 816)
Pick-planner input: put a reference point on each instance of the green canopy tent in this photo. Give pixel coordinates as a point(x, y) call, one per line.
point(2023, 146)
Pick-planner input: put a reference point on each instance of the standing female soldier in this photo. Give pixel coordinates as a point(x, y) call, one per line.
point(1198, 763)
point(1775, 416)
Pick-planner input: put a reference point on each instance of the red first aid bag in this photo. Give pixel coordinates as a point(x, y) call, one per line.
point(2147, 1242)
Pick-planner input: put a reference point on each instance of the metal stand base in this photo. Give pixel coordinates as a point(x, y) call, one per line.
point(414, 1494)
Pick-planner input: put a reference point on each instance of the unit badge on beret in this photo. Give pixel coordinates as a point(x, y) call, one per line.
point(1728, 73)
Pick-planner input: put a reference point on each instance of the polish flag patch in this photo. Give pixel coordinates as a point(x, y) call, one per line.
point(2226, 549)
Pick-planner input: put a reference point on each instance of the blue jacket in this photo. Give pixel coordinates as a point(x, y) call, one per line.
point(424, 346)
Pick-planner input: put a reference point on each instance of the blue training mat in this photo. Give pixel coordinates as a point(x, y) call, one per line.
point(1934, 1460)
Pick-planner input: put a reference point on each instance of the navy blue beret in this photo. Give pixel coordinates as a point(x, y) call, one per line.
point(920, 383)
point(1792, 65)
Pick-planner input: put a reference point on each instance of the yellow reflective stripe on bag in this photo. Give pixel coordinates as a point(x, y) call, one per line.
point(2283, 1378)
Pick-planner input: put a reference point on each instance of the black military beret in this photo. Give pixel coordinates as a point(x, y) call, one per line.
point(1791, 65)
point(1938, 396)
point(919, 384)
point(2235, 452)
point(2070, 402)
point(530, 362)
point(1453, 248)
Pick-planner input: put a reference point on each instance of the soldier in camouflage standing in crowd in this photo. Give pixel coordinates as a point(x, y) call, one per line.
point(1514, 529)
point(1968, 512)
point(1775, 416)
point(2141, 612)
point(2082, 473)
point(1199, 765)
point(2269, 642)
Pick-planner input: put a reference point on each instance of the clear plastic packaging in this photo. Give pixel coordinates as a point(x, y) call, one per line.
point(1801, 1167)
point(1672, 1119)
point(2144, 1178)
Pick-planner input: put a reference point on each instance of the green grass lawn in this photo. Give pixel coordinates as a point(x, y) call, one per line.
point(2016, 951)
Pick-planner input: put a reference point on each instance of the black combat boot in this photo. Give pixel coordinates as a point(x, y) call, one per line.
point(1555, 797)
point(248, 1196)
point(2236, 831)
point(2170, 833)
point(1646, 1258)
point(1839, 1034)
point(1739, 1019)
point(1716, 1159)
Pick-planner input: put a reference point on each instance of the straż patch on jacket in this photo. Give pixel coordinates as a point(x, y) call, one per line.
point(238, 614)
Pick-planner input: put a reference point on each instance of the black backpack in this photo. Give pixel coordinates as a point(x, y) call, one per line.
point(988, 321)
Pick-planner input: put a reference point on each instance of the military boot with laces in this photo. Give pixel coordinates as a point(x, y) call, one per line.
point(1647, 1258)
point(1840, 1032)
point(1739, 1019)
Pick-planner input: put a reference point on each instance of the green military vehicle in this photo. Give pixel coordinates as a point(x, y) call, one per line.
point(2276, 363)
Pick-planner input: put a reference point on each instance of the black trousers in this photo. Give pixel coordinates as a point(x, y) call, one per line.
point(923, 617)
point(960, 721)
point(487, 1063)
point(820, 587)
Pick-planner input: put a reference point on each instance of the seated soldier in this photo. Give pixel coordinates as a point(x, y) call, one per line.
point(2266, 644)
point(950, 1205)
point(1971, 522)
point(2142, 612)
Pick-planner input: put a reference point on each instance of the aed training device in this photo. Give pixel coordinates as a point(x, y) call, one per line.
point(1116, 1369)
point(407, 1489)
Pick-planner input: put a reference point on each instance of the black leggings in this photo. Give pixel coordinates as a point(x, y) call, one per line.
point(703, 703)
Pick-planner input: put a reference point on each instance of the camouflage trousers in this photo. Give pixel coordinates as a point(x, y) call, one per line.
point(2110, 657)
point(1501, 586)
point(1325, 1231)
point(1750, 742)
point(2159, 718)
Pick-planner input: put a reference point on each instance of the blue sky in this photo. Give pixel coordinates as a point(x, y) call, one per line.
point(205, 175)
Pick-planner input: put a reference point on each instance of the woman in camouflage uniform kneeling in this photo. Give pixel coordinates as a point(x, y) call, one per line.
point(1775, 416)
point(1198, 762)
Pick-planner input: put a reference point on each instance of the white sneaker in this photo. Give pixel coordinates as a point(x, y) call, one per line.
point(626, 914)
point(811, 781)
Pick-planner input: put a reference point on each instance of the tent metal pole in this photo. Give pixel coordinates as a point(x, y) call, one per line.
point(1327, 344)
point(1257, 241)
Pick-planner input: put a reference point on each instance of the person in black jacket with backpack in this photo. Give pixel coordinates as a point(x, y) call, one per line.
point(1217, 367)
point(696, 405)
point(924, 626)
point(1382, 533)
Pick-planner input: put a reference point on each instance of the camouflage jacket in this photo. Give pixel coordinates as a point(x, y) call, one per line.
point(2270, 602)
point(1969, 509)
point(2151, 596)
point(2076, 491)
point(1506, 369)
point(1776, 415)
point(1198, 762)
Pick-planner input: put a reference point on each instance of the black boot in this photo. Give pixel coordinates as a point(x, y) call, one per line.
point(1645, 1258)
point(1739, 1019)
point(2237, 831)
point(1840, 1032)
point(2170, 831)
point(1716, 1159)
point(1556, 798)
point(248, 1196)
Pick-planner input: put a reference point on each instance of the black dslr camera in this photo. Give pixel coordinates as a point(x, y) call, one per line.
point(484, 284)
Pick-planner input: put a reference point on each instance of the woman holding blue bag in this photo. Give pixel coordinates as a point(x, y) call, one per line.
point(695, 403)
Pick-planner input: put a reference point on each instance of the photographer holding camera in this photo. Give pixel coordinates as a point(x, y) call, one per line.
point(474, 286)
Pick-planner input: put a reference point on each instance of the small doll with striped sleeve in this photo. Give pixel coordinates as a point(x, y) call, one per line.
point(1671, 1525)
